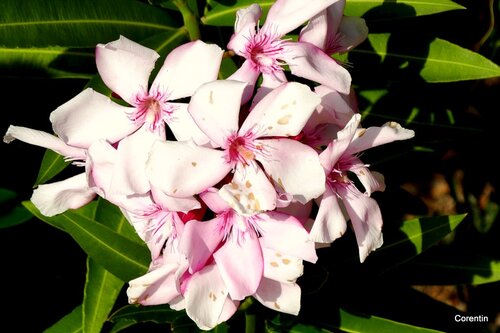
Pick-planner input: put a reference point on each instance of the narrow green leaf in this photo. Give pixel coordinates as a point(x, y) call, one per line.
point(362, 323)
point(380, 9)
point(414, 237)
point(52, 164)
point(224, 15)
point(71, 323)
point(84, 23)
point(439, 61)
point(160, 314)
point(101, 291)
point(124, 258)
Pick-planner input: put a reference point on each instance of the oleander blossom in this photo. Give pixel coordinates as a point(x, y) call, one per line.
point(339, 160)
point(259, 151)
point(265, 51)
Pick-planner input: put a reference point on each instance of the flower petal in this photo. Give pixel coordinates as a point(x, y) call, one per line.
point(330, 222)
point(184, 128)
point(354, 31)
point(180, 169)
point(205, 297)
point(249, 192)
point(244, 28)
point(310, 62)
point(339, 107)
point(249, 74)
point(90, 116)
point(240, 264)
point(213, 200)
point(187, 67)
point(366, 220)
point(295, 167)
point(285, 234)
point(371, 180)
point(281, 267)
point(45, 140)
point(376, 136)
point(279, 296)
point(287, 15)
point(215, 108)
point(125, 66)
point(282, 112)
point(55, 198)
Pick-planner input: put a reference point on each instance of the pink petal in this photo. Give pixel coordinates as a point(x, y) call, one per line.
point(215, 108)
point(372, 181)
point(300, 211)
point(187, 67)
point(281, 267)
point(285, 234)
point(55, 198)
point(240, 264)
point(282, 112)
point(184, 128)
point(90, 116)
point(366, 220)
point(44, 140)
point(180, 169)
point(125, 66)
point(100, 165)
point(354, 31)
point(213, 200)
point(206, 296)
point(199, 241)
point(244, 28)
point(330, 222)
point(174, 204)
point(295, 167)
point(323, 28)
point(249, 74)
point(287, 15)
point(249, 192)
point(376, 136)
point(279, 296)
point(310, 62)
point(338, 106)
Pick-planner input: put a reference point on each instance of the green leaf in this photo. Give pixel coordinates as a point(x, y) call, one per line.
point(71, 323)
point(12, 212)
point(52, 165)
point(101, 291)
point(223, 15)
point(122, 257)
point(414, 237)
point(439, 61)
point(84, 23)
point(133, 314)
point(382, 9)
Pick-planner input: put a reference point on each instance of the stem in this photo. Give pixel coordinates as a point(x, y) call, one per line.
point(190, 20)
point(250, 322)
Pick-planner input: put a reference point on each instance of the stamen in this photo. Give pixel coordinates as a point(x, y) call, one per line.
point(152, 108)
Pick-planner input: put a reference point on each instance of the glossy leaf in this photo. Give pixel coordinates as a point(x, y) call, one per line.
point(438, 61)
point(83, 23)
point(52, 164)
point(134, 314)
point(101, 291)
point(381, 9)
point(223, 15)
point(112, 217)
point(124, 258)
point(71, 323)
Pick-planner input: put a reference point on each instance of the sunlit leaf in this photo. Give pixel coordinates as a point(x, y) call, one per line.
point(71, 323)
point(83, 23)
point(224, 15)
point(437, 61)
point(382, 9)
point(121, 256)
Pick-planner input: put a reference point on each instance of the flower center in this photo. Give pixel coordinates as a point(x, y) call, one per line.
point(264, 50)
point(151, 109)
point(242, 149)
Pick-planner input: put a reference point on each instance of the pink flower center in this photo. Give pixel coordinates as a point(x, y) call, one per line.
point(152, 109)
point(242, 149)
point(264, 51)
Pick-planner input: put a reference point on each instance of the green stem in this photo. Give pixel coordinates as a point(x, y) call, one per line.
point(250, 322)
point(190, 19)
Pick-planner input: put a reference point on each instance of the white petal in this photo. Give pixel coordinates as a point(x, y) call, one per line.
point(55, 198)
point(279, 296)
point(281, 267)
point(244, 28)
point(282, 112)
point(330, 222)
point(187, 67)
point(185, 129)
point(125, 66)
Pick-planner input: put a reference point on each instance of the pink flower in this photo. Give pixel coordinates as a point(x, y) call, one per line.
point(266, 52)
point(256, 150)
point(338, 160)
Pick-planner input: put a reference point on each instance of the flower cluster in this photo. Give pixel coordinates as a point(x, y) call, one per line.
point(232, 190)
